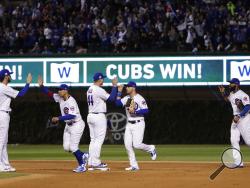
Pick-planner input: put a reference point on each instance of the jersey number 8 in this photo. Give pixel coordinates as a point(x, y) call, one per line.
point(90, 100)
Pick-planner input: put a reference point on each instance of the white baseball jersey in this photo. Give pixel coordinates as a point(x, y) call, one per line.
point(239, 95)
point(6, 93)
point(97, 97)
point(68, 107)
point(140, 103)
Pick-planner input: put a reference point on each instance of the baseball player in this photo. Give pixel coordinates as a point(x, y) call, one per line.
point(74, 124)
point(136, 108)
point(6, 94)
point(241, 121)
point(97, 121)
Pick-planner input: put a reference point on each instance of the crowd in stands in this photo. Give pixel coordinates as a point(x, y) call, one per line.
point(95, 26)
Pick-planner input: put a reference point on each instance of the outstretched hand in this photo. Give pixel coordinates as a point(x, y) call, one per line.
point(29, 78)
point(114, 81)
point(40, 80)
point(221, 89)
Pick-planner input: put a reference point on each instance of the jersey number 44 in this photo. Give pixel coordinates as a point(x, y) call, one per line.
point(90, 100)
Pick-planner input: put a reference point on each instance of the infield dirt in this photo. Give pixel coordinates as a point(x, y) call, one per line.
point(53, 174)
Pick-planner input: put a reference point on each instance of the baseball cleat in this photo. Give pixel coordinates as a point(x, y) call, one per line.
point(131, 168)
point(80, 169)
point(102, 167)
point(8, 169)
point(241, 166)
point(11, 169)
point(153, 154)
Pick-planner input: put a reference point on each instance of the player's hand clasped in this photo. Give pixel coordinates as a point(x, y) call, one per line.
point(131, 110)
point(236, 119)
point(55, 120)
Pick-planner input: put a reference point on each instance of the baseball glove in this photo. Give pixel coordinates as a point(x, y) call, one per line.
point(239, 104)
point(129, 101)
point(50, 124)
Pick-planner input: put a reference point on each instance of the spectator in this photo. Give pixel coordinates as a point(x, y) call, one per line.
point(124, 26)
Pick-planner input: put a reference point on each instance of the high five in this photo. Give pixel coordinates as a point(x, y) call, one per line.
point(6, 94)
point(97, 121)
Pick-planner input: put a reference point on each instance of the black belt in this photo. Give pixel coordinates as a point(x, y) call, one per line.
point(135, 121)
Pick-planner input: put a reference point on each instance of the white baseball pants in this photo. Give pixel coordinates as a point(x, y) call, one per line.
point(242, 128)
point(4, 128)
point(72, 136)
point(97, 127)
point(133, 138)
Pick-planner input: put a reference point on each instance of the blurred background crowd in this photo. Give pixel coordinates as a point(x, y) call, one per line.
point(91, 26)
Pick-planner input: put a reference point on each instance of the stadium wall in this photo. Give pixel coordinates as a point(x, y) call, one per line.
point(182, 111)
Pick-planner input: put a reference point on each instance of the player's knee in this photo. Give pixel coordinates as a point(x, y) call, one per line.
point(66, 147)
point(128, 146)
point(137, 145)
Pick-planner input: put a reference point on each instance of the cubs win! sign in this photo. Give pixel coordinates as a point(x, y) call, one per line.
point(146, 71)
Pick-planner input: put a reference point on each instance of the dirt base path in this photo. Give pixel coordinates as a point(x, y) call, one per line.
point(53, 174)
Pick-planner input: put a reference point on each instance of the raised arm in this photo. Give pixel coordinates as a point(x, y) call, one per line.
point(223, 92)
point(44, 89)
point(113, 93)
point(26, 87)
point(118, 101)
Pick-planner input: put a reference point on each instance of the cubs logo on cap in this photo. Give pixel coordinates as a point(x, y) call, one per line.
point(98, 76)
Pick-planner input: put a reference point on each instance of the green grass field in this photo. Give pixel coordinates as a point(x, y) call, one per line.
point(11, 175)
point(189, 153)
point(118, 153)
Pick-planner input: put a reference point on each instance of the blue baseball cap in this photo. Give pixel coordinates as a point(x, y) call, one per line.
point(234, 81)
point(5, 72)
point(98, 76)
point(63, 87)
point(130, 84)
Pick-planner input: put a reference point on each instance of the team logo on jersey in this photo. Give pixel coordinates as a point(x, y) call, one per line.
point(144, 102)
point(90, 91)
point(245, 99)
point(66, 110)
point(136, 106)
point(72, 108)
point(237, 101)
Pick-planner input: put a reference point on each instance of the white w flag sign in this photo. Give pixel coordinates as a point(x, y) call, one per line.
point(240, 70)
point(64, 72)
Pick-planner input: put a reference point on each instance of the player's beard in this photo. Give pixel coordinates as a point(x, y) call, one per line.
point(9, 79)
point(232, 89)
